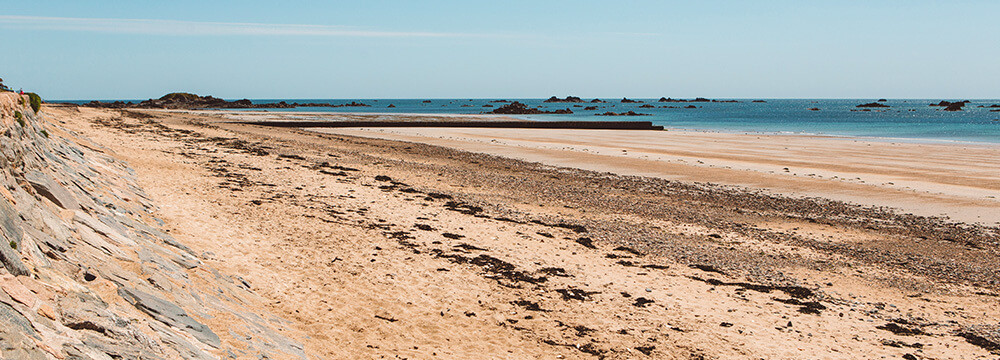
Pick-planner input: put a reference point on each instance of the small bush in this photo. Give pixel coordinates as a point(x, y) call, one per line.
point(13, 245)
point(45, 133)
point(36, 101)
point(19, 117)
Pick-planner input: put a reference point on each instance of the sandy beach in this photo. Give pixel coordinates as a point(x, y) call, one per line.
point(959, 181)
point(545, 244)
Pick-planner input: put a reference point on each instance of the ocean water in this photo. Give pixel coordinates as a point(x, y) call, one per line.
point(905, 119)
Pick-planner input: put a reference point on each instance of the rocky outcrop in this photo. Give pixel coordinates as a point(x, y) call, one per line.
point(86, 272)
point(518, 108)
point(872, 105)
point(568, 99)
point(630, 101)
point(952, 106)
point(629, 113)
point(192, 101)
point(700, 99)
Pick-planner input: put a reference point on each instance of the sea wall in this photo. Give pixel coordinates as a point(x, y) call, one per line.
point(86, 271)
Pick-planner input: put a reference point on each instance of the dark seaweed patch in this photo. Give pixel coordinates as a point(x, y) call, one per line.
point(901, 330)
point(642, 302)
point(628, 250)
point(586, 242)
point(576, 294)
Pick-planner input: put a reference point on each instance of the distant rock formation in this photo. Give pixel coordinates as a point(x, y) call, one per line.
point(952, 106)
point(814, 109)
point(759, 101)
point(629, 113)
point(630, 101)
point(700, 99)
point(568, 99)
point(590, 108)
point(193, 101)
point(597, 101)
point(882, 100)
point(518, 108)
point(872, 105)
point(647, 106)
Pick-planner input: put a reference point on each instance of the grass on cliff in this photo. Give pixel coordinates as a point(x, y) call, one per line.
point(36, 101)
point(19, 117)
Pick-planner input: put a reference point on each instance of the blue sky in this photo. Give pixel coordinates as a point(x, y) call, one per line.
point(442, 49)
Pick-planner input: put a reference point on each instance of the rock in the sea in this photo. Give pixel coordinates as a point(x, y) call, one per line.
point(568, 99)
point(629, 113)
point(872, 105)
point(518, 108)
point(597, 101)
point(630, 101)
point(952, 106)
point(590, 108)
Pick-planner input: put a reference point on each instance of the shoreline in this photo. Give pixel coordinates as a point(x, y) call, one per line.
point(667, 127)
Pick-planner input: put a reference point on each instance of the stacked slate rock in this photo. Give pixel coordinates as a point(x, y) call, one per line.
point(86, 272)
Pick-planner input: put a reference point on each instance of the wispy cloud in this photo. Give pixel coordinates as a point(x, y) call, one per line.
point(199, 28)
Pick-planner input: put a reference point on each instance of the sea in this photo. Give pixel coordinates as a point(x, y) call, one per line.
point(911, 120)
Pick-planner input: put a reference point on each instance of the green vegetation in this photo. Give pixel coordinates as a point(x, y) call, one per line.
point(13, 245)
point(44, 133)
point(36, 101)
point(19, 117)
point(4, 87)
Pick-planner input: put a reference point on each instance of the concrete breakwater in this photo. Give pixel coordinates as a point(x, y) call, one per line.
point(86, 272)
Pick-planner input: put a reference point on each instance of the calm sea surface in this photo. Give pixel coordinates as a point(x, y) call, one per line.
point(910, 119)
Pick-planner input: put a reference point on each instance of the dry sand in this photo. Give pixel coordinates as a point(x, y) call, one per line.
point(383, 249)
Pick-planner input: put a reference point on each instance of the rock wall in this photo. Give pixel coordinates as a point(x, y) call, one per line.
point(86, 273)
